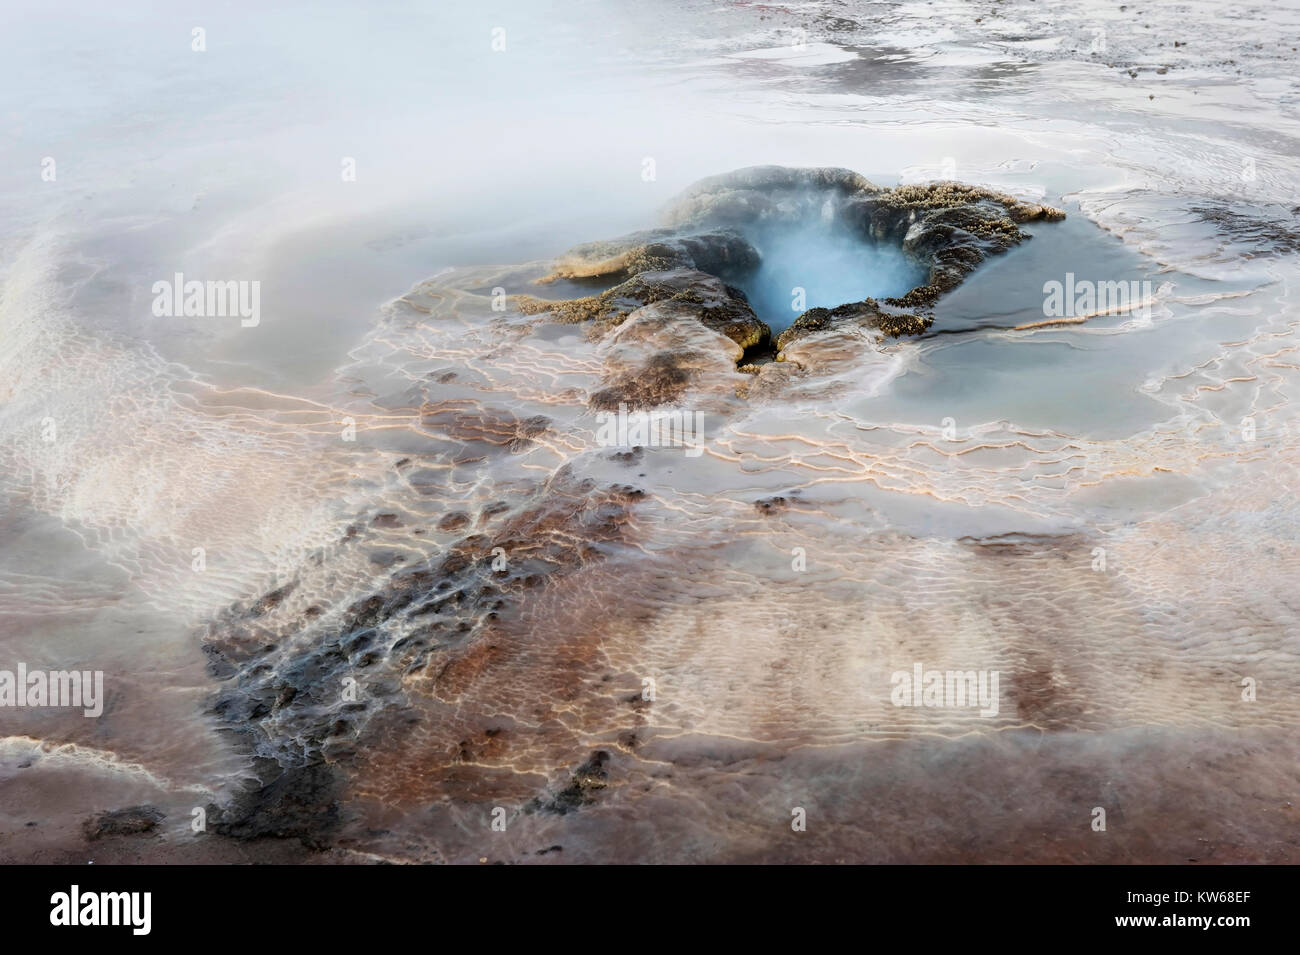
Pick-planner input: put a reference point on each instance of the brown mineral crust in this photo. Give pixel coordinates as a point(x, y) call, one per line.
point(712, 302)
point(450, 616)
point(132, 821)
point(948, 228)
point(865, 314)
point(659, 250)
point(464, 421)
point(661, 379)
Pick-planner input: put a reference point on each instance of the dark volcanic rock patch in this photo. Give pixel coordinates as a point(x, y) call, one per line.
point(307, 694)
point(866, 314)
point(292, 802)
point(662, 379)
point(133, 821)
point(1262, 232)
point(586, 783)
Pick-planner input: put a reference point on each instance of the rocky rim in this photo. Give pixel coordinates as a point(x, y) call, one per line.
point(693, 263)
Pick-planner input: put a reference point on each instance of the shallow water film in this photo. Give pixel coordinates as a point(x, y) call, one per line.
point(613, 432)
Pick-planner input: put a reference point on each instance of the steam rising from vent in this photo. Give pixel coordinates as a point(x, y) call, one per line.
point(813, 264)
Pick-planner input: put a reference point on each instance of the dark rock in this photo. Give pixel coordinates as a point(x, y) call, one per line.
point(587, 781)
point(714, 303)
point(948, 228)
point(454, 521)
point(287, 711)
point(770, 505)
point(132, 821)
point(296, 802)
point(866, 314)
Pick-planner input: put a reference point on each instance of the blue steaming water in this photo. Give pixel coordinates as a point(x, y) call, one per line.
point(821, 266)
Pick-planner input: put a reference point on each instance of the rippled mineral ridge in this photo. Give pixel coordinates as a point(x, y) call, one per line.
point(1102, 511)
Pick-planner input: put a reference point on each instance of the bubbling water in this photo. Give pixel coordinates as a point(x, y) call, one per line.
point(812, 264)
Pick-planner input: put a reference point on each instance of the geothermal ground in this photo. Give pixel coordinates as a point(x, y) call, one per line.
point(634, 471)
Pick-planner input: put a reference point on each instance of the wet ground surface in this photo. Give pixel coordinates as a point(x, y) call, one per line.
point(628, 653)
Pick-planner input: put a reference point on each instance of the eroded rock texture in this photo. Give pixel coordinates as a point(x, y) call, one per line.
point(632, 654)
point(948, 228)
